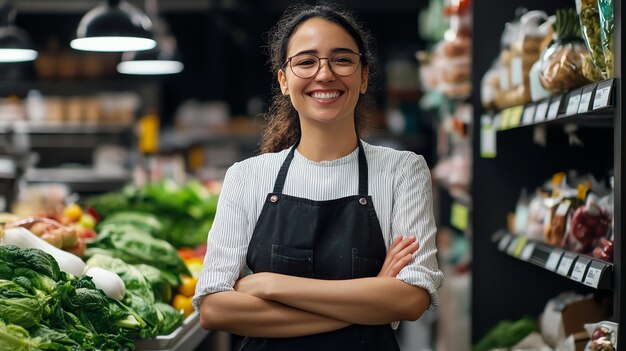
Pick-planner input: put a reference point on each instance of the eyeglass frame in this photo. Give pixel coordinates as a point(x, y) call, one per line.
point(319, 63)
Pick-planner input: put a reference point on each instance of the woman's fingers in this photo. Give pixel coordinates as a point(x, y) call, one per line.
point(399, 255)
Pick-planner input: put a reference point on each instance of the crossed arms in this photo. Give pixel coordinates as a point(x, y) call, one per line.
point(276, 305)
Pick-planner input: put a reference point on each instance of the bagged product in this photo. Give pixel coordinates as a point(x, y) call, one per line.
point(607, 25)
point(590, 23)
point(535, 27)
point(562, 60)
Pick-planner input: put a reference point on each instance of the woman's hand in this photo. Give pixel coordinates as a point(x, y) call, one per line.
point(400, 254)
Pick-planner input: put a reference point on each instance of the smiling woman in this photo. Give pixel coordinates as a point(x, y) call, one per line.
point(322, 242)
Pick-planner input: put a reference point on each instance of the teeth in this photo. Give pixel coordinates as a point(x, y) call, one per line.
point(331, 95)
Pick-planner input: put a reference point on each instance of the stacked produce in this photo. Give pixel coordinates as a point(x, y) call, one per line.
point(161, 230)
point(43, 308)
point(145, 283)
point(185, 213)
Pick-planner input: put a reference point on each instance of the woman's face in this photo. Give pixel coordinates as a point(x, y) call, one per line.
point(324, 98)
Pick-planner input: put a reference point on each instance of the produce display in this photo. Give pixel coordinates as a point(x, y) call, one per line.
point(100, 277)
point(43, 308)
point(185, 213)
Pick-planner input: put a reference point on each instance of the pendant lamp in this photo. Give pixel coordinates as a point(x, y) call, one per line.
point(163, 59)
point(114, 26)
point(15, 45)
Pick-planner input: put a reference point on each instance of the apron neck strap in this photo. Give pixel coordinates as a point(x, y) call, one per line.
point(282, 174)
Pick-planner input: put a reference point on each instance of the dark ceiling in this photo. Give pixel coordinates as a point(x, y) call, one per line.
point(221, 42)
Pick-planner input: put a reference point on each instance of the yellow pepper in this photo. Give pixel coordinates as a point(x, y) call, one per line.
point(188, 286)
point(194, 264)
point(183, 303)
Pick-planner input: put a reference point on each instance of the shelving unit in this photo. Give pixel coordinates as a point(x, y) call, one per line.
point(580, 268)
point(513, 278)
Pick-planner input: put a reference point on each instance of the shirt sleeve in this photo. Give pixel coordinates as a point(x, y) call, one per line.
point(227, 242)
point(412, 214)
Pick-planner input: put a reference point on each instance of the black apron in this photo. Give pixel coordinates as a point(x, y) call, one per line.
point(333, 239)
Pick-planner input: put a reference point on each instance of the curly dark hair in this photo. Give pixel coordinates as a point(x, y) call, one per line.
point(282, 129)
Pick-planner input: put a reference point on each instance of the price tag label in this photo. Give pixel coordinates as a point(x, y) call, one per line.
point(504, 242)
point(540, 113)
point(565, 264)
point(553, 260)
point(602, 96)
point(459, 215)
point(504, 120)
point(529, 114)
point(553, 111)
point(585, 99)
point(519, 246)
point(578, 274)
point(487, 138)
point(528, 250)
point(572, 104)
point(593, 277)
point(511, 249)
point(516, 116)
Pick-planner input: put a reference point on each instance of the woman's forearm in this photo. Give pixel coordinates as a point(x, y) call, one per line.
point(376, 300)
point(248, 315)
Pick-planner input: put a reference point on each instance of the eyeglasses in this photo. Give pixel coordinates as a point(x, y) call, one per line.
point(307, 65)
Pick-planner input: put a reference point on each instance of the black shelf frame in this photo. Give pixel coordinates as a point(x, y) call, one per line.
point(580, 268)
point(505, 288)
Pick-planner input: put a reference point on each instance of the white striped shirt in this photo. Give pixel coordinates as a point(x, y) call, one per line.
point(399, 183)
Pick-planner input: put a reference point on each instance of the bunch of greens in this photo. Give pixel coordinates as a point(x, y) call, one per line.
point(184, 213)
point(506, 334)
point(42, 308)
point(140, 297)
point(133, 245)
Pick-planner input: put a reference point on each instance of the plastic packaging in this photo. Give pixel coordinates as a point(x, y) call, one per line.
point(490, 86)
point(537, 91)
point(590, 24)
point(562, 60)
point(534, 28)
point(607, 25)
point(603, 336)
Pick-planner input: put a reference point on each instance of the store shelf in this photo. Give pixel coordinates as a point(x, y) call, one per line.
point(30, 127)
point(184, 139)
point(186, 337)
point(581, 268)
point(82, 180)
point(591, 105)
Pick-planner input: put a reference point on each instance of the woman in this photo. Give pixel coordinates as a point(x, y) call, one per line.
point(332, 266)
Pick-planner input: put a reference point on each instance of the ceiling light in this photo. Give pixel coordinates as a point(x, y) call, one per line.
point(15, 43)
point(114, 26)
point(161, 60)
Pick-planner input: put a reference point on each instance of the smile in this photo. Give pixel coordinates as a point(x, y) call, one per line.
point(327, 95)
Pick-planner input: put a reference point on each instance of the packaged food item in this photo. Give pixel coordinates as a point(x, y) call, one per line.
point(537, 213)
point(562, 60)
point(603, 336)
point(452, 55)
point(534, 27)
point(537, 91)
point(589, 223)
point(590, 24)
point(607, 25)
point(490, 86)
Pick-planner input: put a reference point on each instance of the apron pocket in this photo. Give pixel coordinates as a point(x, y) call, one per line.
point(363, 267)
point(292, 261)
